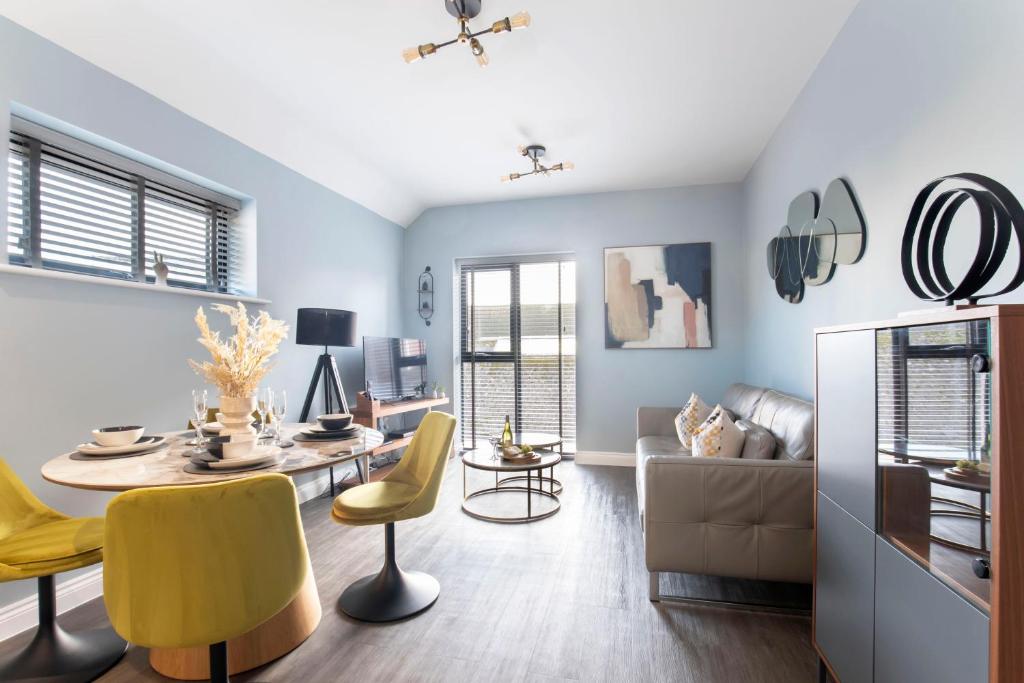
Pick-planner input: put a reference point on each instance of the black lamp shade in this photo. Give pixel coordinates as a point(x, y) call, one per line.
point(325, 327)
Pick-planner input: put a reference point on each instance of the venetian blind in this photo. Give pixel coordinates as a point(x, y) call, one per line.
point(931, 403)
point(74, 211)
point(518, 349)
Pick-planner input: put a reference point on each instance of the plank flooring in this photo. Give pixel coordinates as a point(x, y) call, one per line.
point(562, 599)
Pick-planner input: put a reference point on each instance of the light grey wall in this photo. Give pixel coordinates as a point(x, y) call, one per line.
point(909, 91)
point(76, 355)
point(611, 383)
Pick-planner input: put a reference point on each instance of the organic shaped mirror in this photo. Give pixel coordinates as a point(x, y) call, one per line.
point(802, 210)
point(818, 251)
point(784, 265)
point(840, 207)
point(814, 240)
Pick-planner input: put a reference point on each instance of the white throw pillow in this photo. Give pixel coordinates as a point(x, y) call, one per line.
point(690, 418)
point(718, 437)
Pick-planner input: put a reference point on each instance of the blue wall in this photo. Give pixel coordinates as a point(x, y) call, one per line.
point(78, 355)
point(909, 91)
point(611, 383)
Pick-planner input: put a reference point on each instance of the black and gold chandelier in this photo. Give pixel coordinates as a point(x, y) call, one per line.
point(464, 10)
point(534, 154)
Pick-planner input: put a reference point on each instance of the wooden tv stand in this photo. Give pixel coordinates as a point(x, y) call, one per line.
point(369, 412)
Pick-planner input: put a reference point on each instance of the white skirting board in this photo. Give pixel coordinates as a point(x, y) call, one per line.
point(603, 458)
point(23, 614)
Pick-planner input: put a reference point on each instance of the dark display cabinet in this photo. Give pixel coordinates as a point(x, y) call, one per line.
point(919, 508)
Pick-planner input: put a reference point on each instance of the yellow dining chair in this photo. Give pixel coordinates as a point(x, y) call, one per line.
point(409, 490)
point(191, 566)
point(38, 542)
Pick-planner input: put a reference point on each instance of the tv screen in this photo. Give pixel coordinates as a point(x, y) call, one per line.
point(395, 368)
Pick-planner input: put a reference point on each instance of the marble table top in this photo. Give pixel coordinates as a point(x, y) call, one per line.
point(166, 466)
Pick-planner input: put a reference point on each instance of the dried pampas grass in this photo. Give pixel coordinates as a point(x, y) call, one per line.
point(239, 363)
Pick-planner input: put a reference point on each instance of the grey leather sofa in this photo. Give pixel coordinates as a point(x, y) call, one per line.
point(736, 517)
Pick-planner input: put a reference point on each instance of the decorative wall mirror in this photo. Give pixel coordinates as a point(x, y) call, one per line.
point(815, 240)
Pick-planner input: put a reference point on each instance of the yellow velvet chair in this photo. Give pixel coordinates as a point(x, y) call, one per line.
point(190, 566)
point(38, 542)
point(409, 490)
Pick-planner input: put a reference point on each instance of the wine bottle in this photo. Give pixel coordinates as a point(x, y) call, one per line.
point(506, 433)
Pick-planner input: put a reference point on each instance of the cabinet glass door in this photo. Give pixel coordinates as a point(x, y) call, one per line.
point(934, 426)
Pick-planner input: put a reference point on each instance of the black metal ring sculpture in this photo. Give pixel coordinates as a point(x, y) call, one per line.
point(1001, 216)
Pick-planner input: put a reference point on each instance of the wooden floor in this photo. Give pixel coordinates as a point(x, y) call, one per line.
point(560, 599)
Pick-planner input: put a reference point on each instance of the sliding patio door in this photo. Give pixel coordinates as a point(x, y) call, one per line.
point(517, 331)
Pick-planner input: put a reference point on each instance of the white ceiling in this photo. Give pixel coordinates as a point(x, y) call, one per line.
point(638, 94)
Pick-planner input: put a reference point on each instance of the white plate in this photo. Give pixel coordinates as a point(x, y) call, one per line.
point(213, 427)
point(147, 442)
point(354, 428)
point(260, 455)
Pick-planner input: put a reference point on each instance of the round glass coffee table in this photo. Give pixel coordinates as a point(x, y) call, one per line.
point(539, 503)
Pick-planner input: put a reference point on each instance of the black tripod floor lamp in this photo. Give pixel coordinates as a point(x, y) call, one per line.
point(326, 327)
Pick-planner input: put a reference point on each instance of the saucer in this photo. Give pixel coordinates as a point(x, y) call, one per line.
point(317, 429)
point(145, 443)
point(259, 455)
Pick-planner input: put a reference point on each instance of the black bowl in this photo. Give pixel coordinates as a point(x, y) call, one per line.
point(126, 428)
point(335, 422)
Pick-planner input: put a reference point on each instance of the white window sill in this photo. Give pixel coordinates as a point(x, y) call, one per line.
point(110, 282)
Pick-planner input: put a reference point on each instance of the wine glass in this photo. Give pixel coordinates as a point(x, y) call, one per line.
point(199, 415)
point(279, 407)
point(264, 407)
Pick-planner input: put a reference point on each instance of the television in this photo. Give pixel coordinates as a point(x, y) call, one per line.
point(395, 369)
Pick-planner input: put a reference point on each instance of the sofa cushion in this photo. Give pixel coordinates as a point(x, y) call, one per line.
point(659, 445)
point(718, 437)
point(689, 419)
point(759, 443)
point(742, 400)
point(791, 422)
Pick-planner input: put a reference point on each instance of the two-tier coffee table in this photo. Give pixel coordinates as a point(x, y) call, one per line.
point(531, 473)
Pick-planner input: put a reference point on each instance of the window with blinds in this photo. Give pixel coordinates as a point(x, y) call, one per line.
point(518, 349)
point(75, 208)
point(932, 404)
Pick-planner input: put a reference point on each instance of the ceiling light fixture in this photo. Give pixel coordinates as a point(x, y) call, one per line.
point(534, 154)
point(464, 10)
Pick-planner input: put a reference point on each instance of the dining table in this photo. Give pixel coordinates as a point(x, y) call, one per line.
point(166, 467)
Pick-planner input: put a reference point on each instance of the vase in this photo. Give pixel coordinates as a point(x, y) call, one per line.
point(235, 414)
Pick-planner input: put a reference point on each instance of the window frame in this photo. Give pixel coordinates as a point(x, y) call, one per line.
point(464, 269)
point(32, 141)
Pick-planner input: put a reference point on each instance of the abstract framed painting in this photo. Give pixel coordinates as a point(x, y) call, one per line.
point(658, 297)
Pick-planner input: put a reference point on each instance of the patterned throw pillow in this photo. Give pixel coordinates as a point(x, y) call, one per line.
point(690, 418)
point(718, 437)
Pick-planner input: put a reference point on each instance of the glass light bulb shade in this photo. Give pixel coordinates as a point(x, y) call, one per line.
point(478, 51)
point(521, 149)
point(414, 54)
point(506, 179)
point(568, 166)
point(519, 20)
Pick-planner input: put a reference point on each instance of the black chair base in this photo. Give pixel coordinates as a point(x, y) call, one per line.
point(56, 656)
point(391, 594)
